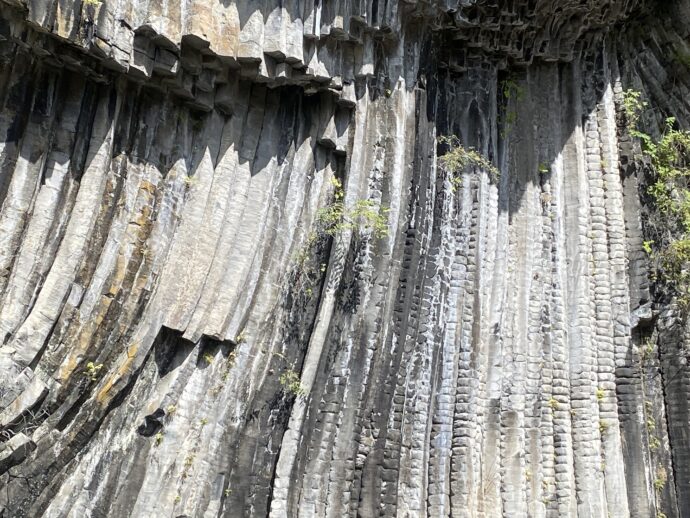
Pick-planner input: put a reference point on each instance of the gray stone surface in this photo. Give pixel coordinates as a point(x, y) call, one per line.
point(163, 268)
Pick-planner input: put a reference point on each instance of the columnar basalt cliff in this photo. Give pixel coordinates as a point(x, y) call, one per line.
point(181, 336)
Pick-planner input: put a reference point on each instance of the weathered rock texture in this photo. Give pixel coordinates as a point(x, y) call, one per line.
point(162, 165)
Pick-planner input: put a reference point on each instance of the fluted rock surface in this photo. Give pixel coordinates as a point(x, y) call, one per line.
point(180, 337)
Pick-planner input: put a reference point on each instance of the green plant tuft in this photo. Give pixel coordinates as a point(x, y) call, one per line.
point(512, 90)
point(603, 427)
point(661, 478)
point(457, 158)
point(362, 215)
point(669, 158)
point(633, 105)
point(290, 381)
point(92, 370)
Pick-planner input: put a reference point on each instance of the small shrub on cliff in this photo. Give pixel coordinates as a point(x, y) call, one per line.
point(190, 181)
point(659, 484)
point(661, 478)
point(646, 350)
point(669, 158)
point(290, 382)
point(603, 427)
point(654, 443)
point(92, 370)
point(457, 158)
point(187, 466)
point(512, 90)
point(362, 215)
point(633, 105)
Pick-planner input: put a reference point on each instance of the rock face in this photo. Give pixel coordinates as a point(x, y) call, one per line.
point(179, 336)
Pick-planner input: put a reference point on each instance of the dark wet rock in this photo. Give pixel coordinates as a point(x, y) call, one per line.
point(152, 423)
